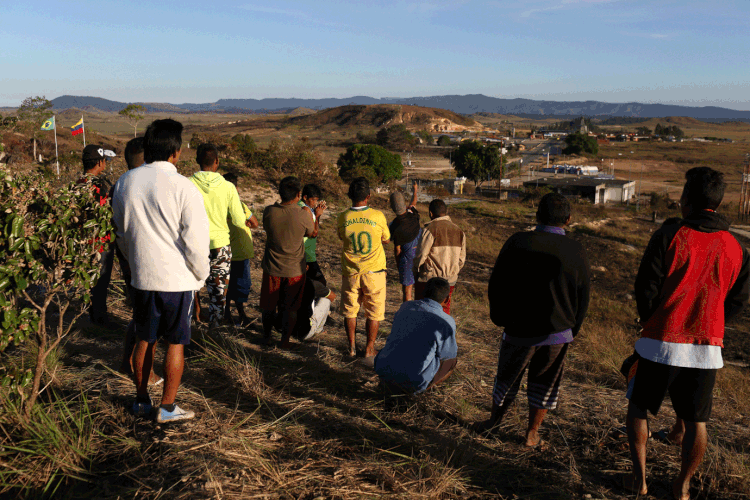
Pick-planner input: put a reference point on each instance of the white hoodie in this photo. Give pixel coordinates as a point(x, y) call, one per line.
point(162, 228)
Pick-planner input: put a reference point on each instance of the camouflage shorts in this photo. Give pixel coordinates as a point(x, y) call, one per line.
point(216, 284)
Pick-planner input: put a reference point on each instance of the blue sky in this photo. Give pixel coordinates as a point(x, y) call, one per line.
point(684, 52)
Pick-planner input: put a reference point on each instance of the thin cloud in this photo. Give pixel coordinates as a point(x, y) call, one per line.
point(431, 7)
point(563, 4)
point(296, 14)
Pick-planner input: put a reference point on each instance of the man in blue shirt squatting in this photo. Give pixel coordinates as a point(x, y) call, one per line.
point(539, 291)
point(421, 350)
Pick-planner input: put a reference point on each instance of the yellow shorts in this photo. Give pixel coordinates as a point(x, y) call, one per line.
point(367, 289)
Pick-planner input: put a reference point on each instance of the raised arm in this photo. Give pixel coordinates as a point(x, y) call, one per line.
point(413, 203)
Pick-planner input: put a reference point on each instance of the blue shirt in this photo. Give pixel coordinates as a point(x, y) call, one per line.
point(564, 337)
point(421, 337)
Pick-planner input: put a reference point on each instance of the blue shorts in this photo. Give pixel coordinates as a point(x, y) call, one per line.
point(240, 282)
point(405, 261)
point(164, 315)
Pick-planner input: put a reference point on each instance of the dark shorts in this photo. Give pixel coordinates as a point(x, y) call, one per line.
point(162, 315)
point(315, 273)
point(285, 293)
point(691, 389)
point(405, 262)
point(240, 281)
point(545, 364)
point(421, 286)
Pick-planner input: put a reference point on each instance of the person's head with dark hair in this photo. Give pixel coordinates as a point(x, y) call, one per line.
point(437, 208)
point(359, 191)
point(93, 159)
point(230, 177)
point(437, 289)
point(162, 141)
point(554, 210)
point(134, 153)
point(207, 157)
point(311, 195)
point(290, 189)
point(704, 189)
point(311, 191)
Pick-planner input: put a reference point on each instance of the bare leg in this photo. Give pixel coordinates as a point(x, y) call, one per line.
point(677, 434)
point(372, 327)
point(228, 312)
point(126, 365)
point(351, 327)
point(174, 363)
point(241, 312)
point(408, 292)
point(197, 302)
point(268, 318)
point(289, 320)
point(637, 425)
point(693, 448)
point(536, 416)
point(143, 361)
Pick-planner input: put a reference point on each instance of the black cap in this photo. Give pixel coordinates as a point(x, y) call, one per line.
point(94, 152)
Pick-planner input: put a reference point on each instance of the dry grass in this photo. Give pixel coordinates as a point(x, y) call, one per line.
point(311, 423)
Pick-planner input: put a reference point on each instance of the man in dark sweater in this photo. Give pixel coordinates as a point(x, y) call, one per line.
point(538, 291)
point(694, 277)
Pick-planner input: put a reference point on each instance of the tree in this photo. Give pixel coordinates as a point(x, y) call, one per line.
point(580, 143)
point(33, 112)
point(133, 113)
point(643, 131)
point(426, 137)
point(477, 162)
point(243, 143)
point(371, 161)
point(444, 140)
point(395, 137)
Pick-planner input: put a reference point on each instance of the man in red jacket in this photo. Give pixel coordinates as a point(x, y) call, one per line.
point(694, 276)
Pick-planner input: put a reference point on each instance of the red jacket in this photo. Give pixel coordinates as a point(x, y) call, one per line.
point(693, 277)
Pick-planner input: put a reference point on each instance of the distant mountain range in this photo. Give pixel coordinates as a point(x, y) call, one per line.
point(464, 104)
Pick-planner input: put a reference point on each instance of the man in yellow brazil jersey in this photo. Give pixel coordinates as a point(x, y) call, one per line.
point(363, 231)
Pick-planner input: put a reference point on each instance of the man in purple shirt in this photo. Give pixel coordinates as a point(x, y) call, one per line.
point(538, 291)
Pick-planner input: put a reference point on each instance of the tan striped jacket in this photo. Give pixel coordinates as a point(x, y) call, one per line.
point(441, 251)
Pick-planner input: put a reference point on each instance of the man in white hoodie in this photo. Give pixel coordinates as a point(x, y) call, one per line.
point(221, 201)
point(162, 231)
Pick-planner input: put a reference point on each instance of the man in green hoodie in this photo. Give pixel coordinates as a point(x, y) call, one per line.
point(222, 202)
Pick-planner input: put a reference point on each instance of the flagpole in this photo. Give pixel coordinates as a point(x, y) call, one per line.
point(84, 131)
point(57, 159)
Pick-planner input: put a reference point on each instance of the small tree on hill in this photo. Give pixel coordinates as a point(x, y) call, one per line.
point(133, 113)
point(477, 162)
point(395, 137)
point(444, 140)
point(33, 112)
point(578, 143)
point(371, 161)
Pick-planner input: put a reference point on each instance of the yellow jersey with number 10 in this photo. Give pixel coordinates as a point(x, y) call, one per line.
point(362, 230)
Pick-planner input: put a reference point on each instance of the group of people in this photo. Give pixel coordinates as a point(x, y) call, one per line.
point(175, 234)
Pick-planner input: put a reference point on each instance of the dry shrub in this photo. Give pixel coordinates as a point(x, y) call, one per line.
point(733, 386)
point(51, 449)
point(230, 362)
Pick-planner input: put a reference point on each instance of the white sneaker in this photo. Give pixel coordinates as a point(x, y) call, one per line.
point(163, 416)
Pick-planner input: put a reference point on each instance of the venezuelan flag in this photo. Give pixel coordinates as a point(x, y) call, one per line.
point(77, 128)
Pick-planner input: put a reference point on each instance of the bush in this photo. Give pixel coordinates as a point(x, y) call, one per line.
point(579, 143)
point(395, 137)
point(243, 143)
point(49, 257)
point(444, 140)
point(360, 158)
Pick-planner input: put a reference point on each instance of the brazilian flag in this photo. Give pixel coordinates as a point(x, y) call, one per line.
point(49, 124)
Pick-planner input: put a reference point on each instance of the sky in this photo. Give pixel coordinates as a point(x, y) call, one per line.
point(677, 52)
